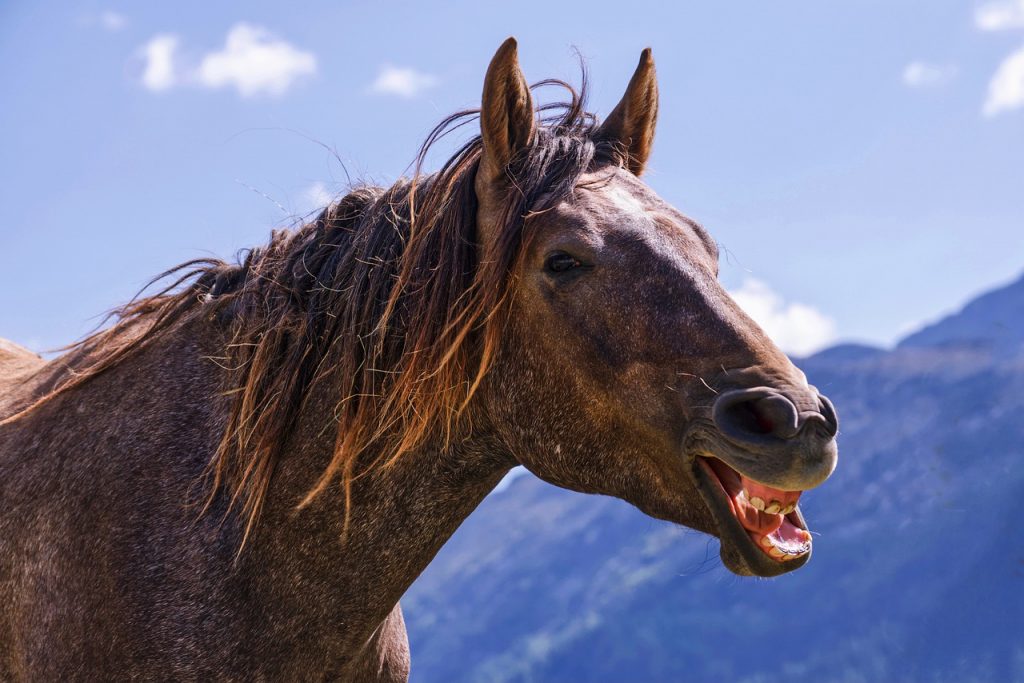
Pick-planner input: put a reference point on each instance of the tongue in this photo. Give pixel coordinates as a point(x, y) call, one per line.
point(785, 543)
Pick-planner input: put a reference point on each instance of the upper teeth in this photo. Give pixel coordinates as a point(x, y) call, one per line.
point(772, 507)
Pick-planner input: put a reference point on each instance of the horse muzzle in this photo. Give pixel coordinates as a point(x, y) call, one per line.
point(753, 467)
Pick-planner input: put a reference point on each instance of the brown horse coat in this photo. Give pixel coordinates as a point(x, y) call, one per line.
point(240, 478)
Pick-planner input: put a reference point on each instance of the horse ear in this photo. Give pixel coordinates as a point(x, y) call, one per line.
point(631, 123)
point(506, 123)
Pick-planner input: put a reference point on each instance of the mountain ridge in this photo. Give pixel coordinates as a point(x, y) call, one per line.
point(994, 319)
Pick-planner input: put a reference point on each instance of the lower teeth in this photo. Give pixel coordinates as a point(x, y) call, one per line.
point(780, 549)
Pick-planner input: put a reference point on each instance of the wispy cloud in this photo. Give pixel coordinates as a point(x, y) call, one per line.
point(112, 21)
point(253, 61)
point(999, 16)
point(402, 81)
point(1006, 89)
point(316, 196)
point(796, 328)
point(159, 72)
point(925, 75)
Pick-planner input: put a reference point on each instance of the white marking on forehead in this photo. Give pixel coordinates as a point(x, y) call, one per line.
point(663, 227)
point(622, 198)
point(615, 192)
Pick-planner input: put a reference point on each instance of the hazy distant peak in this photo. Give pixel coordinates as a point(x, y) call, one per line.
point(993, 320)
point(848, 352)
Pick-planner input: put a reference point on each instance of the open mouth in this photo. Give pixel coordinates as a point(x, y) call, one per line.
point(758, 517)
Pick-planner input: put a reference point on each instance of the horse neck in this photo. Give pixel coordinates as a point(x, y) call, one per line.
point(399, 515)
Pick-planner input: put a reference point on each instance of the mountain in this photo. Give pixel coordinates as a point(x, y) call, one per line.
point(917, 574)
point(994, 320)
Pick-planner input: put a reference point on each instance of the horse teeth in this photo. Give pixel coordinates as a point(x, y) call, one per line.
point(789, 508)
point(757, 503)
point(776, 553)
point(766, 542)
point(774, 508)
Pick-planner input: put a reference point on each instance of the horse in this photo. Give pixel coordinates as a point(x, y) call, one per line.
point(240, 474)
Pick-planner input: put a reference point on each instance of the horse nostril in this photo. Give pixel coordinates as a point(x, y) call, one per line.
point(751, 413)
point(828, 414)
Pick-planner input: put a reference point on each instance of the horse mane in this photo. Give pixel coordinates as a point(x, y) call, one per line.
point(386, 293)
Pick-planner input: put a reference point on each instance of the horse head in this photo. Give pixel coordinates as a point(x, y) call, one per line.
point(625, 368)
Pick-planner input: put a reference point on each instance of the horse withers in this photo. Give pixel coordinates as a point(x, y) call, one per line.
point(240, 477)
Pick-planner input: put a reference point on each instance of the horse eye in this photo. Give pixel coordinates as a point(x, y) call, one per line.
point(560, 262)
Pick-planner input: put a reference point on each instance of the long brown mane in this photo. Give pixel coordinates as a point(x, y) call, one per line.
point(387, 293)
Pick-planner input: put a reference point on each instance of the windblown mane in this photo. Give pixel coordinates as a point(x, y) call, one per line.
point(387, 294)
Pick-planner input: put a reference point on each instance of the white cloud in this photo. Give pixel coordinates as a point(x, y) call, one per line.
point(404, 82)
point(925, 75)
point(1006, 89)
point(159, 72)
point(253, 61)
point(796, 328)
point(112, 21)
point(998, 16)
point(316, 196)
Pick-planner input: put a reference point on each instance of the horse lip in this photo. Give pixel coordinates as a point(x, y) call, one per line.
point(750, 460)
point(731, 533)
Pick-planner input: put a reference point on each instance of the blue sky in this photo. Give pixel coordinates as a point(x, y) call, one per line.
point(860, 163)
